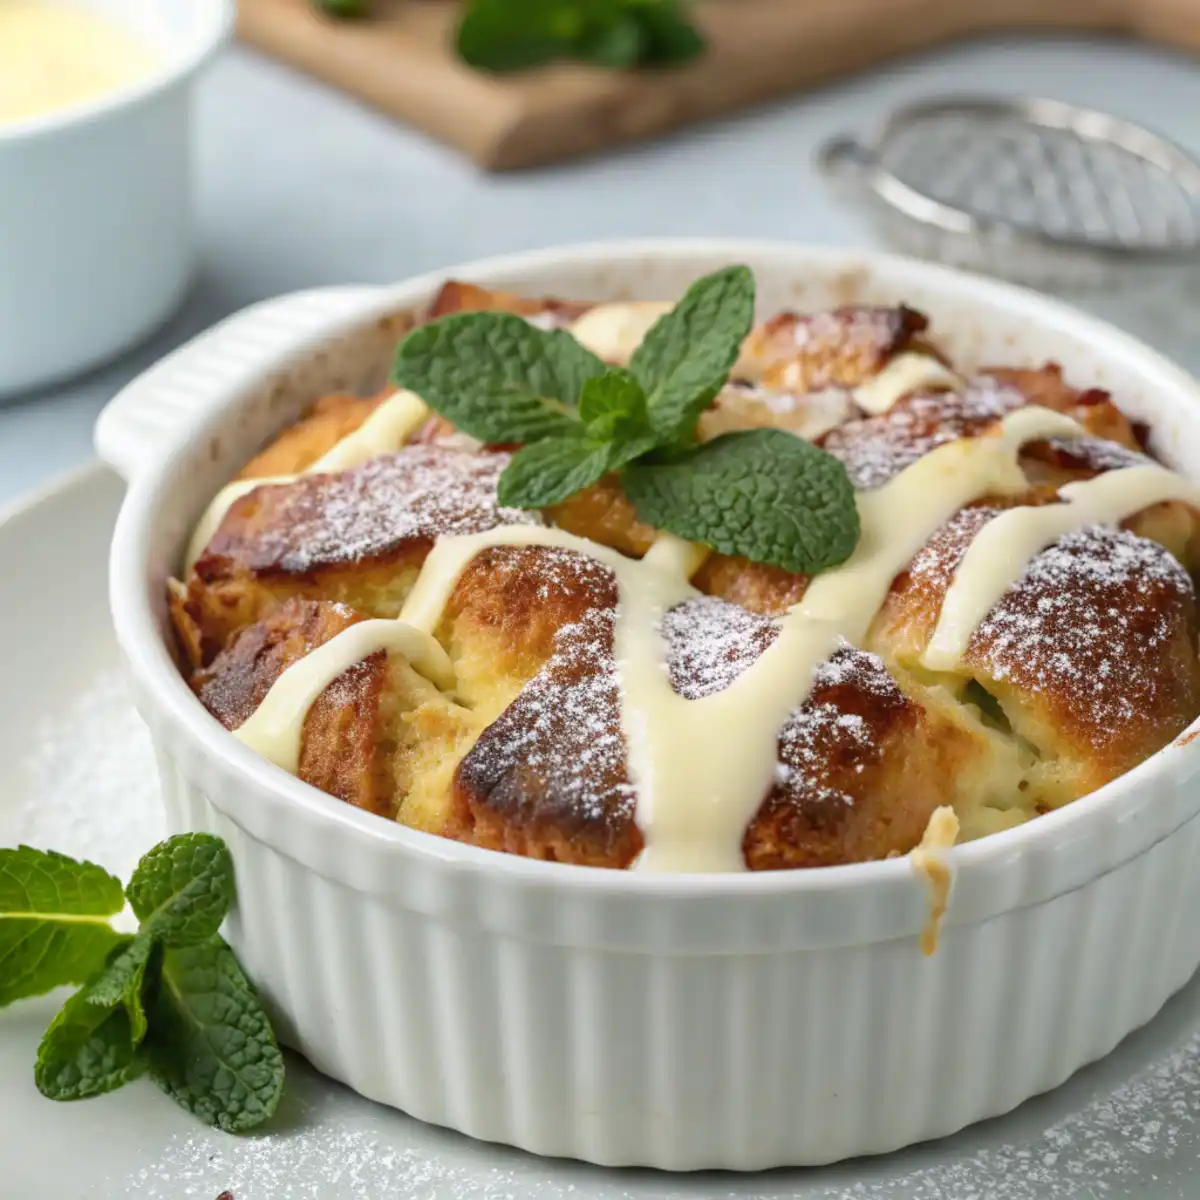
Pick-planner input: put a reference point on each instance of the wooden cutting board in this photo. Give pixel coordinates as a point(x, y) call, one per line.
point(401, 61)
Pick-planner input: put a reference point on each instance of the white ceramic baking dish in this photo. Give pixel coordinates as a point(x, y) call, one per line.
point(738, 1021)
point(97, 244)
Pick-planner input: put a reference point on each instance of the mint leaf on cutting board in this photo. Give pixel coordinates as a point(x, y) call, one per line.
point(210, 1045)
point(182, 889)
point(513, 35)
point(502, 36)
point(88, 1049)
point(495, 376)
point(619, 44)
point(668, 36)
point(685, 358)
point(54, 926)
point(762, 494)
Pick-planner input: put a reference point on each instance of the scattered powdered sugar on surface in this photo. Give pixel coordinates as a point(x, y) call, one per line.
point(1134, 1138)
point(1090, 621)
point(420, 492)
point(93, 781)
point(1116, 1145)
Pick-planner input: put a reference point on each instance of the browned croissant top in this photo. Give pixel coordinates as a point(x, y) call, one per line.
point(1085, 666)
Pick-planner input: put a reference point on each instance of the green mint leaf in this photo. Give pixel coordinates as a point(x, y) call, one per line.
point(343, 10)
point(763, 494)
point(686, 357)
point(123, 981)
point(618, 44)
point(668, 37)
point(182, 889)
point(88, 1049)
point(513, 35)
point(54, 926)
point(612, 407)
point(495, 376)
point(614, 431)
point(548, 472)
point(210, 1045)
point(500, 36)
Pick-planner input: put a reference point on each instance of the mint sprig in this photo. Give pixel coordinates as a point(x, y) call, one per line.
point(171, 1000)
point(761, 494)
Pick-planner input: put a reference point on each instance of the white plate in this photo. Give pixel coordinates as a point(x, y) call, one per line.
point(76, 773)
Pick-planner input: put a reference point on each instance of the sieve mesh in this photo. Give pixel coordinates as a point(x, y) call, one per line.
point(1027, 187)
point(1043, 180)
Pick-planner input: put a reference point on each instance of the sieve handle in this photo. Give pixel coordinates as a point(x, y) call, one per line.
point(844, 157)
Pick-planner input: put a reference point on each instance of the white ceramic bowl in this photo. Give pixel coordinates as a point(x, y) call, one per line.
point(96, 236)
point(738, 1021)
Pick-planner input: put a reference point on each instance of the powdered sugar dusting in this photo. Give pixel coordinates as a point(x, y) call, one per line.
point(826, 732)
point(742, 404)
point(876, 449)
point(859, 326)
point(559, 746)
point(417, 494)
point(1090, 623)
point(1095, 454)
point(840, 347)
point(558, 749)
point(710, 642)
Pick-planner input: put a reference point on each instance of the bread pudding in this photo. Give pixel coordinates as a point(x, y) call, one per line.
point(1010, 624)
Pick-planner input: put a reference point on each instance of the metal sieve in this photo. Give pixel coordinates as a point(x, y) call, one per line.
point(1033, 190)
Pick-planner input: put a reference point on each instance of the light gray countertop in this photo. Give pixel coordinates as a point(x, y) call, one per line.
point(299, 186)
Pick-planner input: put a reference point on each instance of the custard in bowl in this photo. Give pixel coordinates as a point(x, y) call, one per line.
point(95, 175)
point(760, 686)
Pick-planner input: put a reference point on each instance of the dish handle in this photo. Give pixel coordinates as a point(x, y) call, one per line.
point(163, 403)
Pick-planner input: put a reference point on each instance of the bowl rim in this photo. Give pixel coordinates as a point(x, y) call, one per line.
point(181, 61)
point(153, 667)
